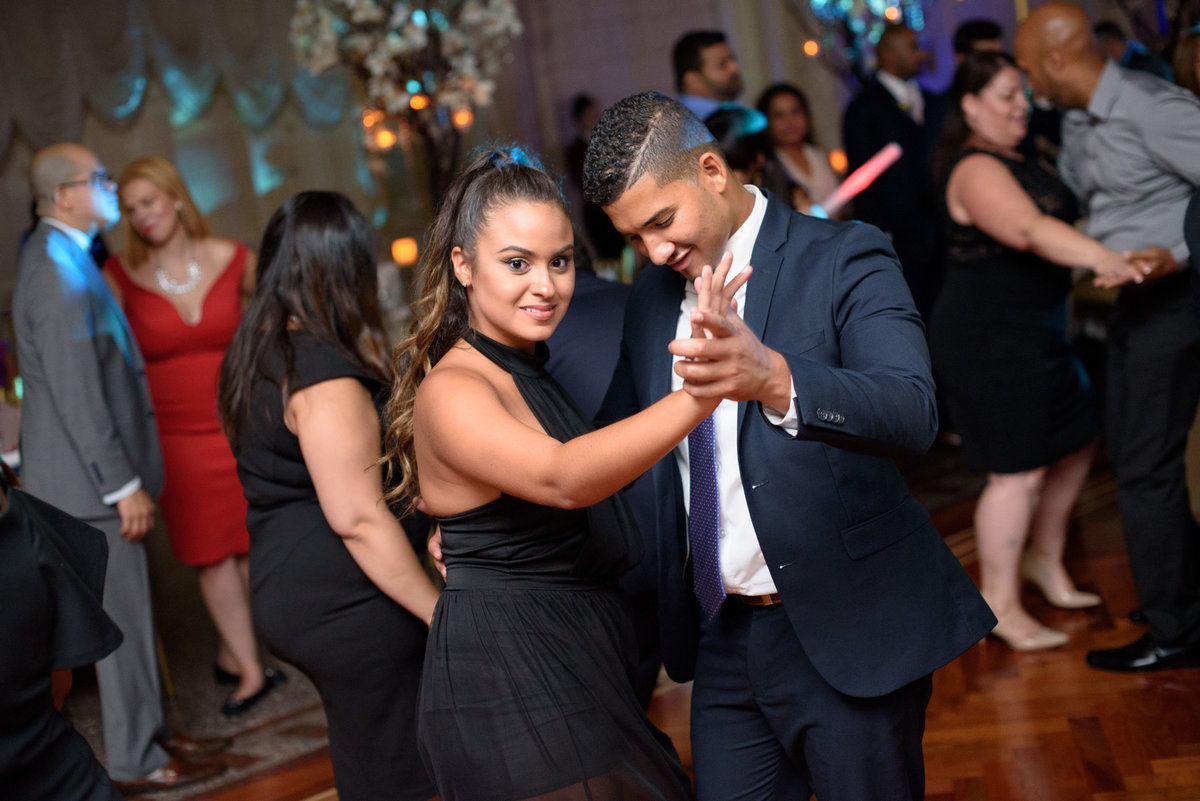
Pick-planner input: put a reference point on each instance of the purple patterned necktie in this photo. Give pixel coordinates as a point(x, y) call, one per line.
point(703, 518)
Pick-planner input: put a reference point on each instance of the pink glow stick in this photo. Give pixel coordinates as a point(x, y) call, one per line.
point(861, 178)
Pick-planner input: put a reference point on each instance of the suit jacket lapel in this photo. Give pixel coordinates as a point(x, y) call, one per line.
point(664, 317)
point(766, 258)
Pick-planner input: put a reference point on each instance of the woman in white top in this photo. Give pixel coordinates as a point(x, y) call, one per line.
point(790, 133)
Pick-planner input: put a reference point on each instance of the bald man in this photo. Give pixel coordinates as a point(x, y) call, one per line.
point(89, 446)
point(1131, 151)
point(902, 202)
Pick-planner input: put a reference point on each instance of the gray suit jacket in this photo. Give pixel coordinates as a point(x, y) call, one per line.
point(87, 425)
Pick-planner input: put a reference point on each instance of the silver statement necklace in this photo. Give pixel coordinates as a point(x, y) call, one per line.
point(172, 287)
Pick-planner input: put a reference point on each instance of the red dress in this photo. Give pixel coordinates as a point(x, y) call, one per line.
point(202, 502)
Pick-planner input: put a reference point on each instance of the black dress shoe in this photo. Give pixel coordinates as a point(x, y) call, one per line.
point(176, 773)
point(240, 706)
point(195, 748)
point(223, 676)
point(1138, 616)
point(1145, 655)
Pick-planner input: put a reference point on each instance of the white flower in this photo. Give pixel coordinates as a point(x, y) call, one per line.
point(383, 42)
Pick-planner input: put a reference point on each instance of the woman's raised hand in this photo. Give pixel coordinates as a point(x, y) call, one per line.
point(716, 295)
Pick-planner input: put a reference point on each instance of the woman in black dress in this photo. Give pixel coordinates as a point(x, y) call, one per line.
point(1016, 392)
point(527, 689)
point(336, 586)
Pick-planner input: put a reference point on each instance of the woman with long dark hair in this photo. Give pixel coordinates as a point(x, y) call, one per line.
point(794, 152)
point(336, 585)
point(1016, 392)
point(526, 691)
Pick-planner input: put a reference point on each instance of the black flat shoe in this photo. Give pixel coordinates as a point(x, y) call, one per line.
point(234, 707)
point(223, 676)
point(1145, 655)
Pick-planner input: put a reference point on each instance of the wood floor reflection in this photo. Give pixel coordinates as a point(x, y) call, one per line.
point(1002, 726)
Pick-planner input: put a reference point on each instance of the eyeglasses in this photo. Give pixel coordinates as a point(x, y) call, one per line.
point(98, 178)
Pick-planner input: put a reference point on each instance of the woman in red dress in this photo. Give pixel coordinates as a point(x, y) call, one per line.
point(183, 292)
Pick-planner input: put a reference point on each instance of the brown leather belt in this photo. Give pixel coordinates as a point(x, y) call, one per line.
point(758, 600)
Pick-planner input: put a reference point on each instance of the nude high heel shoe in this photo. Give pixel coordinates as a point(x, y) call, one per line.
point(1045, 639)
point(1070, 599)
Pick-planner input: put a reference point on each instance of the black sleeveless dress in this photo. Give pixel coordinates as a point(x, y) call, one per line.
point(315, 607)
point(527, 688)
point(1016, 392)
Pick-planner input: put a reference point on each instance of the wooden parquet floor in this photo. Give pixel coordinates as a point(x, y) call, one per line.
point(1002, 726)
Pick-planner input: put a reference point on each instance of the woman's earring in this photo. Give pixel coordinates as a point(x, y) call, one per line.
point(178, 205)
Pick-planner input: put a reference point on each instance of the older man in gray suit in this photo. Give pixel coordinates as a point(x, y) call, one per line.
point(89, 446)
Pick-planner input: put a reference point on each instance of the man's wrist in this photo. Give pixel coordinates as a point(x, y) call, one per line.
point(778, 396)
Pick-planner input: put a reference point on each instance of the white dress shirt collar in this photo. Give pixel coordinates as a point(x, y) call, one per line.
point(80, 238)
point(741, 242)
point(907, 93)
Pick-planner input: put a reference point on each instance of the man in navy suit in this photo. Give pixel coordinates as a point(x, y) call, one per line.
point(902, 202)
point(812, 675)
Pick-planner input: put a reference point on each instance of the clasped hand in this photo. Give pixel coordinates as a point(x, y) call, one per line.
point(723, 357)
point(1134, 266)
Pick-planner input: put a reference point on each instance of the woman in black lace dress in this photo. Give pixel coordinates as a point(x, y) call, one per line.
point(526, 691)
point(1017, 394)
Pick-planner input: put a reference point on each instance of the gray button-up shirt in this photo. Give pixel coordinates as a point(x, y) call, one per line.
point(1134, 158)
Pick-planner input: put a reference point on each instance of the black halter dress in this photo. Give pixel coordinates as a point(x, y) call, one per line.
point(527, 688)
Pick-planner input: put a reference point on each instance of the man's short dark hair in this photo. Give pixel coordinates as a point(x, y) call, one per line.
point(1108, 30)
point(687, 56)
point(891, 31)
point(972, 31)
point(644, 134)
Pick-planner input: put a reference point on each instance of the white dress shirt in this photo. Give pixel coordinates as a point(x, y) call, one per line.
point(85, 243)
point(907, 94)
point(743, 568)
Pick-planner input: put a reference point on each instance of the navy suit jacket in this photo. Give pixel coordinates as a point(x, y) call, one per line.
point(584, 347)
point(874, 595)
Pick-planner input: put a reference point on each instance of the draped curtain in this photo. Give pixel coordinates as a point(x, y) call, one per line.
point(57, 55)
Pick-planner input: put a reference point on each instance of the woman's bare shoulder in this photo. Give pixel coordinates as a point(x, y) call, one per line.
point(461, 373)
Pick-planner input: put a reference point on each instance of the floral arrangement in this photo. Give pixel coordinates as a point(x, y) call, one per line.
point(437, 54)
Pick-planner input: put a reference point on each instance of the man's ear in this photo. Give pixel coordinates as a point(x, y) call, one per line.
point(1055, 62)
point(713, 172)
point(969, 105)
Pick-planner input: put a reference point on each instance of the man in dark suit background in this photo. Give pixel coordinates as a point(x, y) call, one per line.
point(811, 605)
point(902, 202)
point(89, 446)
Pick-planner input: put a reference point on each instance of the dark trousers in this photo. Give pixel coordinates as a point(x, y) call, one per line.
point(1153, 391)
point(765, 725)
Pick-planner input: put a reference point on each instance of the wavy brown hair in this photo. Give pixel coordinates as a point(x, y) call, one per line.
point(493, 178)
point(162, 174)
point(317, 274)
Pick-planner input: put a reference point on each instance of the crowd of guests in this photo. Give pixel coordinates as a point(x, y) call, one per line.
point(764, 378)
